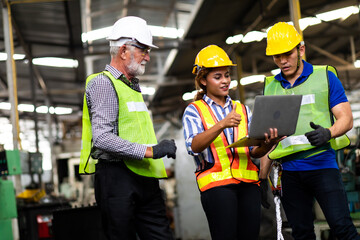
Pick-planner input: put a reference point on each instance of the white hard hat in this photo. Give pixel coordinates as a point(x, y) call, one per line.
point(134, 28)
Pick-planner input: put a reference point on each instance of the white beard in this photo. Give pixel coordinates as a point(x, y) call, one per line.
point(136, 69)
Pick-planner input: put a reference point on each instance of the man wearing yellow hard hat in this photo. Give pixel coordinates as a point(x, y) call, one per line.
point(308, 157)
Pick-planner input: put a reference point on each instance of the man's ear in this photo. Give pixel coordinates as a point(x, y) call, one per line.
point(302, 50)
point(122, 52)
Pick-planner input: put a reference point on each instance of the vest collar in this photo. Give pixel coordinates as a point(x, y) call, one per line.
point(308, 69)
point(133, 84)
point(209, 101)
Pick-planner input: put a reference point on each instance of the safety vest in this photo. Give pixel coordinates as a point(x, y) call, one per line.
point(231, 166)
point(315, 108)
point(135, 126)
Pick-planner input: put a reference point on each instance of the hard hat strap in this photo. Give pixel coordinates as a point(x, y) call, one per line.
point(298, 59)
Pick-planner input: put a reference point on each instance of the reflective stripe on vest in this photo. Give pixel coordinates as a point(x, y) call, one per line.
point(229, 167)
point(314, 107)
point(136, 126)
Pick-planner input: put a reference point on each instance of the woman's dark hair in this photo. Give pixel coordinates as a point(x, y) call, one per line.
point(200, 87)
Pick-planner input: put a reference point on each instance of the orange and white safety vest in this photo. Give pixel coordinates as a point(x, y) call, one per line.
point(231, 165)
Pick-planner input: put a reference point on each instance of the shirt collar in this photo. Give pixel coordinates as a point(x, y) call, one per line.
point(209, 101)
point(308, 69)
point(133, 84)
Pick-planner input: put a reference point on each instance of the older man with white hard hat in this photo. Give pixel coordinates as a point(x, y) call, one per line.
point(119, 143)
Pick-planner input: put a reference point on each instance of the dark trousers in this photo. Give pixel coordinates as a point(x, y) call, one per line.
point(233, 211)
point(299, 191)
point(131, 205)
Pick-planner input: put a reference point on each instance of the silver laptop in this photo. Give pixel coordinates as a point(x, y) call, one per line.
point(279, 111)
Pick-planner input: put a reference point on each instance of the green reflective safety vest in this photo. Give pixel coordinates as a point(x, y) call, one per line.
point(135, 126)
point(314, 107)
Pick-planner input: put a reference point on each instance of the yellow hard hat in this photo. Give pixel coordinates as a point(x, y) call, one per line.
point(282, 38)
point(211, 56)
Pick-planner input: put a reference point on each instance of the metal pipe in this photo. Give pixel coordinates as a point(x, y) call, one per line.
point(33, 98)
point(11, 74)
point(34, 1)
point(239, 76)
point(54, 172)
point(296, 16)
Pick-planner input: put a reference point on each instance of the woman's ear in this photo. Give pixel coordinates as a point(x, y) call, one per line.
point(203, 81)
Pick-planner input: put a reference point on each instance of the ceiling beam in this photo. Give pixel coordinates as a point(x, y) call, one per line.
point(328, 54)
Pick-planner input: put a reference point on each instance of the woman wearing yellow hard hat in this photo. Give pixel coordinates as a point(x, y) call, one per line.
point(308, 157)
point(227, 178)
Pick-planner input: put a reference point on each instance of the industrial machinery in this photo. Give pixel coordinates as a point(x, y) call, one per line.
point(9, 166)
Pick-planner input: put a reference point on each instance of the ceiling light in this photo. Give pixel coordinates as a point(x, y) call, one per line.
point(308, 21)
point(62, 110)
point(234, 39)
point(357, 63)
point(166, 32)
point(5, 106)
point(156, 31)
point(56, 62)
point(254, 36)
point(189, 95)
point(95, 34)
point(3, 56)
point(233, 84)
point(252, 79)
point(147, 90)
point(26, 107)
point(341, 13)
point(275, 71)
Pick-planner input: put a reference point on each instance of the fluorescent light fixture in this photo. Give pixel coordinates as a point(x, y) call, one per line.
point(166, 32)
point(147, 90)
point(3, 56)
point(357, 63)
point(156, 31)
point(234, 39)
point(40, 109)
point(275, 71)
point(252, 79)
point(26, 107)
point(62, 110)
point(189, 95)
point(52, 110)
point(308, 21)
point(341, 13)
point(56, 62)
point(254, 36)
point(5, 105)
point(249, 37)
point(96, 34)
point(233, 84)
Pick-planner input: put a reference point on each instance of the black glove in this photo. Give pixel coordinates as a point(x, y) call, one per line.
point(264, 185)
point(165, 148)
point(319, 136)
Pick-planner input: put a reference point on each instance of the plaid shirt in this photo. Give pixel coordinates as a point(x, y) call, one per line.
point(103, 107)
